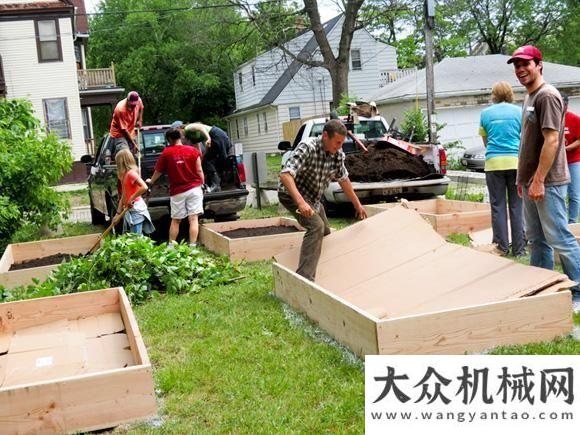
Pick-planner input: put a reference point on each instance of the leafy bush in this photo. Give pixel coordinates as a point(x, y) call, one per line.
point(137, 264)
point(30, 162)
point(343, 109)
point(415, 123)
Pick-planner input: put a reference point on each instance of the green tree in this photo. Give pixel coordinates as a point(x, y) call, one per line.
point(414, 125)
point(30, 162)
point(180, 56)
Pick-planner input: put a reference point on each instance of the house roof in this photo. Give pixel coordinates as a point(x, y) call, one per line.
point(82, 18)
point(17, 8)
point(472, 75)
point(295, 66)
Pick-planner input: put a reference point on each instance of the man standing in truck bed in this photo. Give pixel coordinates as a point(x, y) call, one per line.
point(127, 114)
point(313, 164)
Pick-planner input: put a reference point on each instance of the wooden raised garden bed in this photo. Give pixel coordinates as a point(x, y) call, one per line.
point(392, 285)
point(39, 254)
point(72, 363)
point(446, 216)
point(255, 239)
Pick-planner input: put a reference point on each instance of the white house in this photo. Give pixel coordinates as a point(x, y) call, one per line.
point(42, 58)
point(463, 89)
point(272, 88)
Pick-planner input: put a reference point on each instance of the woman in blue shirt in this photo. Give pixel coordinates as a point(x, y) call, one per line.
point(500, 126)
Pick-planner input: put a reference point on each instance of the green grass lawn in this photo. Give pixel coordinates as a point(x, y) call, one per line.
point(235, 359)
point(77, 198)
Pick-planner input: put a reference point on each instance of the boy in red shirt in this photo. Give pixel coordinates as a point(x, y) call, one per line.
point(182, 164)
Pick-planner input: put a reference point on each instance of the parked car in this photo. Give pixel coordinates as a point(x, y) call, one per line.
point(103, 193)
point(372, 130)
point(474, 158)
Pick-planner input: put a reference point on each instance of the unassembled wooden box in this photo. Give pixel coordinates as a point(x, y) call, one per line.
point(20, 252)
point(72, 363)
point(250, 248)
point(392, 285)
point(446, 216)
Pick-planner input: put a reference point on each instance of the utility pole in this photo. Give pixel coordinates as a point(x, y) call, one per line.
point(429, 6)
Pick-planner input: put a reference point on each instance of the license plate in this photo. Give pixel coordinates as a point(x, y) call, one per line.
point(391, 191)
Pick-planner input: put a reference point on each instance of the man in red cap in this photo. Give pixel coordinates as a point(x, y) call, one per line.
point(127, 114)
point(543, 174)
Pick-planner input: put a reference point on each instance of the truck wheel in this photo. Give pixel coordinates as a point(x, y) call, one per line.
point(97, 218)
point(226, 217)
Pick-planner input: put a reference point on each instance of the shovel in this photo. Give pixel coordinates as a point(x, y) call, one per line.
point(114, 222)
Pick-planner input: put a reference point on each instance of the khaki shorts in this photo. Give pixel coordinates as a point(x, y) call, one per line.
point(187, 203)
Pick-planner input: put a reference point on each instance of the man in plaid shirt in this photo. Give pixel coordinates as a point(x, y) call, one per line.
point(313, 164)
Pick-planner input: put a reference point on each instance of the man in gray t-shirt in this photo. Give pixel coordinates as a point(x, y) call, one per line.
point(542, 170)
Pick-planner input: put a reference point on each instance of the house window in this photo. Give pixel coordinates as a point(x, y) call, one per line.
point(238, 128)
point(56, 115)
point(245, 125)
point(355, 60)
point(240, 81)
point(86, 124)
point(48, 41)
point(254, 76)
point(294, 112)
point(265, 118)
point(259, 126)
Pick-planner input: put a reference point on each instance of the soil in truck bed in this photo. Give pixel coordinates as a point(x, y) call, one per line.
point(381, 164)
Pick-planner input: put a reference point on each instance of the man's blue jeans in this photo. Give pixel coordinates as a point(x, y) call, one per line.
point(574, 193)
point(547, 230)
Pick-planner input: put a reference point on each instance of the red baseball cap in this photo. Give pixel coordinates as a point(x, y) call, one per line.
point(527, 52)
point(133, 98)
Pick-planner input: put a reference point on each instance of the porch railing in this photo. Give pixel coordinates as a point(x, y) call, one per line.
point(96, 78)
point(390, 76)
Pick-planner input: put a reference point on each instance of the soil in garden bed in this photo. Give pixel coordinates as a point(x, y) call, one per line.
point(381, 164)
point(260, 231)
point(44, 261)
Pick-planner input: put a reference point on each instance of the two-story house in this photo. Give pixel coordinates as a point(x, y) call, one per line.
point(42, 59)
point(273, 88)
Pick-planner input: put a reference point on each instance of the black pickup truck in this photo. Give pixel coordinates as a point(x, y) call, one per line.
point(223, 205)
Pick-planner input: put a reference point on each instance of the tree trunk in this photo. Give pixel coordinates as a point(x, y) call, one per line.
point(339, 75)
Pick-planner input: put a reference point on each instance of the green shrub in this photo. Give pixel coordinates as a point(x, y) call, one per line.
point(30, 162)
point(415, 122)
point(137, 264)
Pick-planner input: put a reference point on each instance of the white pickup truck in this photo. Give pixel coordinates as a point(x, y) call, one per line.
point(396, 181)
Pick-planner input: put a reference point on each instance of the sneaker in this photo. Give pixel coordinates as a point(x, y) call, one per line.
point(193, 245)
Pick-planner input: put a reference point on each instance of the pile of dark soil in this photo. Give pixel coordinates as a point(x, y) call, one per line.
point(44, 261)
point(384, 163)
point(260, 231)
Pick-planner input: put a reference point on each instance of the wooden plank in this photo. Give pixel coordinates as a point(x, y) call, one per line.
point(82, 403)
point(344, 322)
point(6, 260)
point(221, 227)
point(250, 248)
point(45, 248)
point(263, 247)
point(445, 206)
point(477, 328)
point(20, 277)
point(24, 314)
point(213, 241)
point(19, 252)
point(575, 228)
point(462, 222)
point(138, 348)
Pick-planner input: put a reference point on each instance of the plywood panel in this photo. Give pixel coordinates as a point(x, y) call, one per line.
point(474, 329)
point(391, 228)
point(342, 321)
